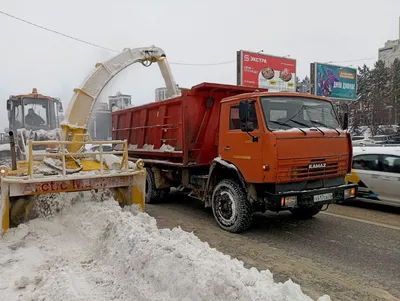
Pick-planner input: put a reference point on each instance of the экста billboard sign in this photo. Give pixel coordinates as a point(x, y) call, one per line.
point(260, 70)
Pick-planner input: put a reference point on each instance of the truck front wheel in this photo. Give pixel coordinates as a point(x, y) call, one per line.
point(306, 212)
point(230, 207)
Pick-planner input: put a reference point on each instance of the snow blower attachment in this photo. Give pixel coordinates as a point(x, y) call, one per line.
point(50, 172)
point(49, 167)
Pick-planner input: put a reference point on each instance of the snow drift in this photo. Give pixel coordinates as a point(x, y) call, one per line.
point(94, 250)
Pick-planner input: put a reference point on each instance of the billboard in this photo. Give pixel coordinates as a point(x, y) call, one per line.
point(260, 70)
point(334, 82)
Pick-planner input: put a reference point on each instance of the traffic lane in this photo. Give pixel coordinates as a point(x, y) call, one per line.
point(375, 212)
point(369, 253)
point(358, 248)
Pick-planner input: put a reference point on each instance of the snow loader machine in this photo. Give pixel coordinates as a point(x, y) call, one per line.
point(63, 166)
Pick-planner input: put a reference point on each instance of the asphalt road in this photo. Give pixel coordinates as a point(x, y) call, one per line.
point(349, 252)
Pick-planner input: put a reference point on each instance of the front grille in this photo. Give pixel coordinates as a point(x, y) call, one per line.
point(298, 169)
point(303, 171)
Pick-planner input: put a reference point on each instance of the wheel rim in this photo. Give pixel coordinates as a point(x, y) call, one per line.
point(225, 207)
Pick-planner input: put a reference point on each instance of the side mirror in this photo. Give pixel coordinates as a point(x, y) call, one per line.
point(247, 116)
point(8, 105)
point(247, 126)
point(345, 121)
point(243, 111)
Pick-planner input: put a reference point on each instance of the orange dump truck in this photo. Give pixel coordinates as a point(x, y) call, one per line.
point(241, 151)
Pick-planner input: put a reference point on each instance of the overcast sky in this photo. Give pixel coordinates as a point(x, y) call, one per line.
point(207, 31)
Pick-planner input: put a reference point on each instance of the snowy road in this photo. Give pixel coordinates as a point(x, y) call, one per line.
point(348, 252)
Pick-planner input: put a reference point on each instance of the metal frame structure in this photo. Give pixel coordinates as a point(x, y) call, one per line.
point(129, 180)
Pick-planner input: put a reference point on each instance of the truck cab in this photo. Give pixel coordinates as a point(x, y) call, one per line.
point(290, 150)
point(33, 111)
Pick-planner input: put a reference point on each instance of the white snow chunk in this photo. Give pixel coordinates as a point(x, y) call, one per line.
point(113, 162)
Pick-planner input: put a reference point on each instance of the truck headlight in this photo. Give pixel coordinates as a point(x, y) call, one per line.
point(349, 193)
point(289, 201)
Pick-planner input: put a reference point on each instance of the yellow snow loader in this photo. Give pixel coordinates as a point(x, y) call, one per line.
point(57, 166)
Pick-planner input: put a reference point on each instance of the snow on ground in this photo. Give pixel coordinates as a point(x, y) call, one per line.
point(113, 162)
point(94, 250)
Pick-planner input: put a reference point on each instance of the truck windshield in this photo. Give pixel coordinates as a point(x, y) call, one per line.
point(283, 112)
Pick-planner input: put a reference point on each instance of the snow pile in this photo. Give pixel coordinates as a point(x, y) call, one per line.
point(48, 135)
point(166, 148)
point(53, 166)
point(98, 251)
point(150, 147)
point(113, 162)
point(40, 135)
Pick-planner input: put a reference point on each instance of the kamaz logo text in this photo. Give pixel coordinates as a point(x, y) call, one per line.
point(316, 165)
point(249, 58)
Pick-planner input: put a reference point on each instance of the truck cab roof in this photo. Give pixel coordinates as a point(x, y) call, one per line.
point(271, 94)
point(234, 92)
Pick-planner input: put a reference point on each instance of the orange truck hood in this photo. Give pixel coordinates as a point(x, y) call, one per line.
point(296, 151)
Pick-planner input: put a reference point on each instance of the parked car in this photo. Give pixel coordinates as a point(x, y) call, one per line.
point(387, 139)
point(376, 169)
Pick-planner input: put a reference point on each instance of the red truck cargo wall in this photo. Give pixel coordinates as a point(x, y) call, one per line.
point(188, 124)
point(148, 127)
point(201, 127)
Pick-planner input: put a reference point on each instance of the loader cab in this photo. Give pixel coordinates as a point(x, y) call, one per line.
point(34, 111)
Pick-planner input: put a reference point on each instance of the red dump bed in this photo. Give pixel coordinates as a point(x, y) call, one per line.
point(181, 131)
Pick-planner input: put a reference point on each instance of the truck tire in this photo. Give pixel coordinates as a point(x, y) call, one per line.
point(152, 193)
point(306, 212)
point(231, 208)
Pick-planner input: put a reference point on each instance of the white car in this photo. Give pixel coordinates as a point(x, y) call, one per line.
point(376, 169)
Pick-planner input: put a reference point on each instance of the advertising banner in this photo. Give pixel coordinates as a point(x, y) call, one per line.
point(334, 82)
point(260, 70)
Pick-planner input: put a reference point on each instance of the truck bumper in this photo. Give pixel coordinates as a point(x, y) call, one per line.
point(309, 198)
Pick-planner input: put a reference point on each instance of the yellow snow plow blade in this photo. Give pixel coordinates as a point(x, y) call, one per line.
point(61, 171)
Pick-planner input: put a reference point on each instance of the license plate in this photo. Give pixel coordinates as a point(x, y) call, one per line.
point(323, 197)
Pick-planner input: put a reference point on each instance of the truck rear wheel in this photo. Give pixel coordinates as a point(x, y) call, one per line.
point(306, 212)
point(152, 193)
point(230, 207)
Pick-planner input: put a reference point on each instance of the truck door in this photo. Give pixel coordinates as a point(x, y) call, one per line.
point(238, 147)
